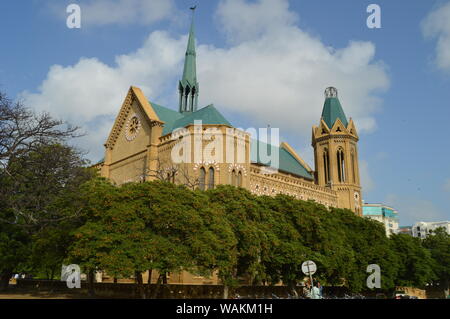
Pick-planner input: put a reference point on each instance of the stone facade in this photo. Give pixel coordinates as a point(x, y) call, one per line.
point(144, 153)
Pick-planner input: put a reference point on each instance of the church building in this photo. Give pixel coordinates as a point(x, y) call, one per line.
point(142, 142)
point(141, 146)
point(144, 145)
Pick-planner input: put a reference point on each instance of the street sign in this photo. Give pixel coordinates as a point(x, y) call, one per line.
point(309, 267)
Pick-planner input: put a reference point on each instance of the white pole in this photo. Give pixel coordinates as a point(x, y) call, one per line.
point(310, 277)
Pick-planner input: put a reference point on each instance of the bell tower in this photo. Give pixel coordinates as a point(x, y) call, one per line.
point(335, 143)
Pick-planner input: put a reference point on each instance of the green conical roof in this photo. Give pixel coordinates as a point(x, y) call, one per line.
point(332, 110)
point(190, 67)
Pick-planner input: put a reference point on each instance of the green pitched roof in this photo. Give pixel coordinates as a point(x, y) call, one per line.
point(208, 115)
point(166, 115)
point(173, 120)
point(332, 110)
point(287, 162)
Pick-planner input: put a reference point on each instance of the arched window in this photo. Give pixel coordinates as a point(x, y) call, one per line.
point(326, 166)
point(341, 165)
point(233, 178)
point(202, 178)
point(239, 179)
point(353, 166)
point(186, 95)
point(211, 178)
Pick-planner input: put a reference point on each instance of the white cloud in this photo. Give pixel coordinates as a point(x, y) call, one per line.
point(280, 73)
point(123, 12)
point(367, 182)
point(271, 74)
point(447, 185)
point(437, 25)
point(242, 20)
point(90, 92)
point(412, 210)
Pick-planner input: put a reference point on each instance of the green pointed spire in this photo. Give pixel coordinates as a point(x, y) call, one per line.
point(188, 85)
point(190, 70)
point(332, 109)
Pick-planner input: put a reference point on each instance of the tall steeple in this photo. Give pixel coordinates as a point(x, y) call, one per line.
point(188, 87)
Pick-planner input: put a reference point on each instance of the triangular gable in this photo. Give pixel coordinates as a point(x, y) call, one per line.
point(339, 127)
point(324, 127)
point(352, 129)
point(134, 94)
point(320, 130)
point(146, 106)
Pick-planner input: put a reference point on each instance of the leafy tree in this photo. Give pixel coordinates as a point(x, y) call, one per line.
point(36, 190)
point(285, 250)
point(368, 245)
point(150, 226)
point(244, 215)
point(14, 250)
point(416, 266)
point(49, 249)
point(438, 243)
point(35, 169)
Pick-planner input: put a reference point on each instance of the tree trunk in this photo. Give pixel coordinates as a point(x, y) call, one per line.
point(4, 279)
point(115, 280)
point(293, 291)
point(164, 279)
point(140, 284)
point(149, 280)
point(91, 275)
point(225, 291)
point(157, 286)
point(446, 288)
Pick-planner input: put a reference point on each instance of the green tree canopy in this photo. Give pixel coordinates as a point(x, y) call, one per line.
point(438, 243)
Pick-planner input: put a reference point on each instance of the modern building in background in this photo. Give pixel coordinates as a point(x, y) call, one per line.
point(406, 230)
point(384, 214)
point(423, 229)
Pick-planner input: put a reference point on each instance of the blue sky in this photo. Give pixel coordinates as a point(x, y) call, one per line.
point(260, 62)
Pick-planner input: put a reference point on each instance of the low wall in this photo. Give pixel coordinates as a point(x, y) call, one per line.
point(435, 293)
point(170, 291)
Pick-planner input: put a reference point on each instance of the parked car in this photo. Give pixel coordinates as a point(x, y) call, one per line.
point(400, 294)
